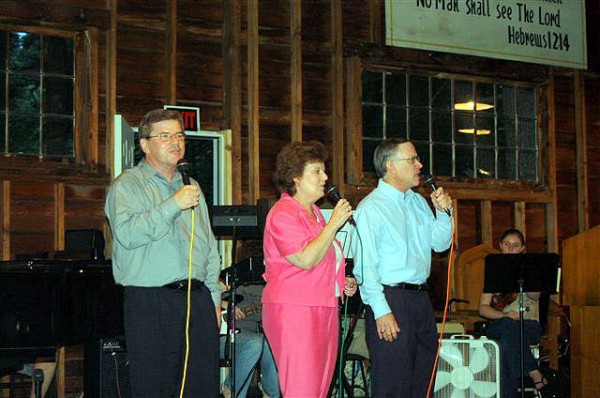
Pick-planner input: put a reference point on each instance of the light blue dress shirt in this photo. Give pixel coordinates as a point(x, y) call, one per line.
point(398, 231)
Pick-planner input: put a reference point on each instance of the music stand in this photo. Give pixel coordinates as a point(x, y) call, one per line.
point(520, 273)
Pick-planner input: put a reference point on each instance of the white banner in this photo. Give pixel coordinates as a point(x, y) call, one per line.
point(550, 32)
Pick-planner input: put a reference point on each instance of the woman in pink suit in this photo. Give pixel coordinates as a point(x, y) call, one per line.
point(304, 270)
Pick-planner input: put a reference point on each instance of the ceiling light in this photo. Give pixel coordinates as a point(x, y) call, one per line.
point(472, 131)
point(470, 106)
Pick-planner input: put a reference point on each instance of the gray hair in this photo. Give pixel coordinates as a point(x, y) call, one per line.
point(384, 151)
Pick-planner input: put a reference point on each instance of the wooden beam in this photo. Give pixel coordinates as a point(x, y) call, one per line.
point(376, 10)
point(5, 220)
point(551, 208)
point(232, 103)
point(171, 52)
point(353, 121)
point(487, 236)
point(92, 100)
point(583, 214)
point(59, 216)
point(111, 84)
point(253, 103)
point(337, 95)
point(296, 68)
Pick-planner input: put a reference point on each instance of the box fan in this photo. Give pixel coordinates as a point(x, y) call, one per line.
point(468, 368)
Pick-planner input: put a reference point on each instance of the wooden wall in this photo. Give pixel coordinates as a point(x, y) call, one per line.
point(273, 72)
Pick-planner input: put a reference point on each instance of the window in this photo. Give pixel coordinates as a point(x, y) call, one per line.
point(460, 127)
point(37, 85)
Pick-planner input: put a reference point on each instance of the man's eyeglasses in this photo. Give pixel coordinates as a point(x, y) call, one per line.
point(411, 160)
point(166, 137)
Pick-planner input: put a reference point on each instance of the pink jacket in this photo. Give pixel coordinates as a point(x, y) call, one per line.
point(288, 229)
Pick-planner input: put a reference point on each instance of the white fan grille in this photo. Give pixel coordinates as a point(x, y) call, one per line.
point(468, 368)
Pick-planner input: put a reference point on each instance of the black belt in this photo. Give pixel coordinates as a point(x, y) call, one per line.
point(183, 285)
point(408, 286)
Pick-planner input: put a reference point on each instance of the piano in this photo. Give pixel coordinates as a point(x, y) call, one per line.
point(46, 304)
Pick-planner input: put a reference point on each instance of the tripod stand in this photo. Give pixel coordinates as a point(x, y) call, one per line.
point(521, 273)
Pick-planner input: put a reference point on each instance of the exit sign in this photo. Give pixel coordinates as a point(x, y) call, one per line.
point(190, 116)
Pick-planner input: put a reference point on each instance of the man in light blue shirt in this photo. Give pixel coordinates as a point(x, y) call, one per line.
point(398, 231)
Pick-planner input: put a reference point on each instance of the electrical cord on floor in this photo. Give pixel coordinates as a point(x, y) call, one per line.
point(443, 326)
point(188, 306)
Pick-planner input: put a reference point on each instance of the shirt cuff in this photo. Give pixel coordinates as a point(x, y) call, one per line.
point(380, 308)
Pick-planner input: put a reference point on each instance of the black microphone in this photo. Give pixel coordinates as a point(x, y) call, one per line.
point(333, 195)
point(430, 182)
point(184, 168)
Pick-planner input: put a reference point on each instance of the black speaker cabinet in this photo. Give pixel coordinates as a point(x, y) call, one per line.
point(106, 369)
point(84, 244)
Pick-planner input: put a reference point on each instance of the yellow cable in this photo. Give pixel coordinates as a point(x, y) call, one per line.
point(189, 302)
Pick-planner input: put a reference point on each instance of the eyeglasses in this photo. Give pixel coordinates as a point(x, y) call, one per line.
point(166, 137)
point(410, 160)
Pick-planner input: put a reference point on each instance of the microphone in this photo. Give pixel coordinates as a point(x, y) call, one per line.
point(184, 168)
point(333, 195)
point(430, 182)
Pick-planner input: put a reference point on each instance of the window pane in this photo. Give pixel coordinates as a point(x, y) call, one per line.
point(57, 137)
point(527, 136)
point(3, 39)
point(2, 90)
point(396, 122)
point(527, 165)
point(507, 164)
point(506, 132)
point(485, 130)
point(485, 98)
point(464, 126)
point(372, 121)
point(423, 152)
point(24, 51)
point(24, 135)
point(58, 55)
point(486, 163)
point(24, 92)
point(441, 93)
point(418, 90)
point(463, 92)
point(372, 87)
point(505, 101)
point(525, 102)
point(442, 126)
point(442, 160)
point(419, 124)
point(395, 88)
point(368, 151)
point(464, 161)
point(58, 96)
point(199, 151)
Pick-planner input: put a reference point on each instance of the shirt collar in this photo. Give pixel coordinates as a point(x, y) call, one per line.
point(150, 172)
point(393, 193)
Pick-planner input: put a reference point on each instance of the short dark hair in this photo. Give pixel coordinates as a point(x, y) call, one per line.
point(156, 116)
point(291, 161)
point(383, 152)
point(515, 232)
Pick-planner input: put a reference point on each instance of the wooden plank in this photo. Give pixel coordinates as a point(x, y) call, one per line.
point(111, 85)
point(337, 95)
point(5, 220)
point(92, 135)
point(487, 235)
point(353, 122)
point(59, 216)
point(551, 211)
point(253, 104)
point(583, 217)
point(232, 104)
point(171, 52)
point(296, 68)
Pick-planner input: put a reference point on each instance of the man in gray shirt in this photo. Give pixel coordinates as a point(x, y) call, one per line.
point(162, 246)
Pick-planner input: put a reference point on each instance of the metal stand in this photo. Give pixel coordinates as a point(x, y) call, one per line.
point(521, 282)
point(38, 380)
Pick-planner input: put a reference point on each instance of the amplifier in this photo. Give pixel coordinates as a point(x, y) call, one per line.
point(106, 369)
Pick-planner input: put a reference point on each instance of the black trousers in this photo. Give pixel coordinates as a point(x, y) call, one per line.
point(155, 337)
point(402, 368)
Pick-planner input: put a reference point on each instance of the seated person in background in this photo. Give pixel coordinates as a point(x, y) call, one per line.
point(503, 309)
point(252, 348)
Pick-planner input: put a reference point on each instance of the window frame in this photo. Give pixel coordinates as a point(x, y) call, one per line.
point(356, 179)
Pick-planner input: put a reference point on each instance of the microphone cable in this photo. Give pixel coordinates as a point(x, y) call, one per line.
point(443, 326)
point(188, 306)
